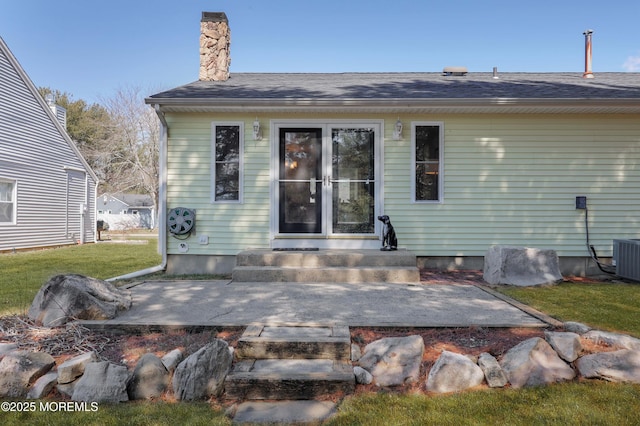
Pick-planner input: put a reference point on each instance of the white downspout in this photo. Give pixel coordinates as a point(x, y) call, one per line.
point(162, 202)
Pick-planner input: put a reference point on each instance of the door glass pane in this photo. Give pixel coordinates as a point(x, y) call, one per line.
point(300, 203)
point(353, 207)
point(300, 181)
point(302, 153)
point(353, 154)
point(353, 181)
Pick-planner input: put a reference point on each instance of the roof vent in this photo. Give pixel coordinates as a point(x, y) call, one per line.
point(457, 71)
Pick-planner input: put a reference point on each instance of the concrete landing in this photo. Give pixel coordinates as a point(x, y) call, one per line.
point(226, 303)
point(341, 266)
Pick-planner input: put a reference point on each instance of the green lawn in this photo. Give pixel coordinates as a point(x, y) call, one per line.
point(605, 306)
point(591, 403)
point(23, 273)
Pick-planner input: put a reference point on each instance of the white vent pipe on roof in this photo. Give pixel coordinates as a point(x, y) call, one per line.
point(588, 73)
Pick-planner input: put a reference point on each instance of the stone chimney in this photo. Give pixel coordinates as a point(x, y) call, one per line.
point(215, 39)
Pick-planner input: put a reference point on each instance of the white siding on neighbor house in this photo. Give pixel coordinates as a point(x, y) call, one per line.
point(35, 153)
point(508, 179)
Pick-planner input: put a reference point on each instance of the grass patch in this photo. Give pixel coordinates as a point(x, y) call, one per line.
point(131, 413)
point(24, 273)
point(606, 306)
point(561, 404)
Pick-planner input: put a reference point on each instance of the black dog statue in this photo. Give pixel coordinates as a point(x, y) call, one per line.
point(389, 240)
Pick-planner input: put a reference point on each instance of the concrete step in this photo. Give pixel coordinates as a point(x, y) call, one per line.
point(288, 379)
point(264, 342)
point(388, 274)
point(326, 258)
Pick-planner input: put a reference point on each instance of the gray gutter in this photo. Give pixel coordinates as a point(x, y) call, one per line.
point(479, 105)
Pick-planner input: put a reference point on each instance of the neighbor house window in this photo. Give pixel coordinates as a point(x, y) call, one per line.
point(227, 161)
point(7, 202)
point(427, 151)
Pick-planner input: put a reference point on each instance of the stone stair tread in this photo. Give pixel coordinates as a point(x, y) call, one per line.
point(292, 368)
point(284, 412)
point(268, 342)
point(291, 363)
point(285, 380)
point(295, 332)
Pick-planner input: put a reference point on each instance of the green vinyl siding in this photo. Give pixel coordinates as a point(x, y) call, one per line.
point(513, 179)
point(507, 179)
point(231, 227)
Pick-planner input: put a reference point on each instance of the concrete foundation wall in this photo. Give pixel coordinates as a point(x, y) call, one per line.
point(223, 265)
point(578, 266)
point(199, 264)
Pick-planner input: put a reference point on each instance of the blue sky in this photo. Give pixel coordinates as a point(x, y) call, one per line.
point(91, 48)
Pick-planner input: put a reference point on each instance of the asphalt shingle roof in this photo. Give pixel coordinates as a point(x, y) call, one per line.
point(416, 86)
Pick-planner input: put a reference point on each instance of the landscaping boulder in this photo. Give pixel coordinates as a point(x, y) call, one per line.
point(43, 386)
point(172, 359)
point(202, 373)
point(20, 369)
point(617, 366)
point(149, 380)
point(567, 345)
point(68, 297)
point(453, 372)
point(521, 266)
point(576, 327)
point(616, 340)
point(493, 373)
point(73, 368)
point(394, 360)
point(102, 382)
point(533, 363)
point(363, 377)
point(5, 348)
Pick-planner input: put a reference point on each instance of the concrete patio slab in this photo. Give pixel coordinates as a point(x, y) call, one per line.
point(225, 303)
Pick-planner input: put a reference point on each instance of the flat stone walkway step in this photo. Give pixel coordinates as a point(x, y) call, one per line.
point(266, 342)
point(293, 379)
point(284, 412)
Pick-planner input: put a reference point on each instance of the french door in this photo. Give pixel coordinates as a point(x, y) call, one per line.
point(328, 180)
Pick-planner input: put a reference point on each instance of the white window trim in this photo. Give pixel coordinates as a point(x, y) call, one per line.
point(240, 126)
point(440, 199)
point(14, 214)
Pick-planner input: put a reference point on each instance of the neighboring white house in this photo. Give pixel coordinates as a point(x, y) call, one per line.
point(459, 160)
point(127, 211)
point(47, 189)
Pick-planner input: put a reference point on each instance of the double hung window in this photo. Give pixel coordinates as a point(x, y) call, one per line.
point(7, 202)
point(227, 167)
point(427, 150)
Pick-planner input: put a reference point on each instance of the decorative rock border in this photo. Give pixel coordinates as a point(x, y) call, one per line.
point(385, 362)
point(558, 357)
